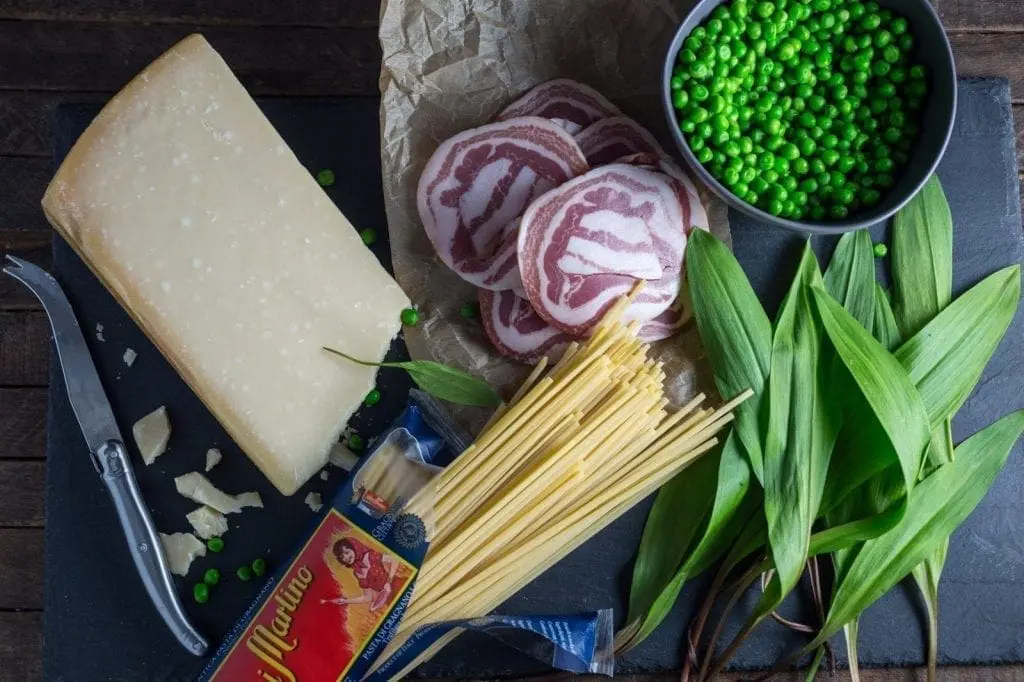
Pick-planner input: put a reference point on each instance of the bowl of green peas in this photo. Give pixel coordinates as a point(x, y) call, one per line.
point(815, 115)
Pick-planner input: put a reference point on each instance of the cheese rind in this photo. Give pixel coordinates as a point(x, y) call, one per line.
point(191, 209)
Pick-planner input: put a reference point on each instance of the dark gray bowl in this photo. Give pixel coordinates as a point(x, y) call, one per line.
point(932, 49)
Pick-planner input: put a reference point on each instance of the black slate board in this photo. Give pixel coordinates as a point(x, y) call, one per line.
point(90, 580)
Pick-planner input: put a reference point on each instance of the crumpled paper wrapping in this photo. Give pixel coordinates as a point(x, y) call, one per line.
point(449, 65)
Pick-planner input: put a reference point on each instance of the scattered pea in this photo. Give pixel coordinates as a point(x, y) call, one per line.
point(881, 250)
point(355, 443)
point(259, 567)
point(325, 177)
point(201, 593)
point(411, 316)
point(211, 577)
point(368, 235)
point(372, 398)
point(244, 573)
point(215, 544)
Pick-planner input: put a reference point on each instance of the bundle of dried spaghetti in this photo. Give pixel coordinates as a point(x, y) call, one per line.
point(575, 448)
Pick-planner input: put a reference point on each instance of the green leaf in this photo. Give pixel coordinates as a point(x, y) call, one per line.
point(926, 575)
point(803, 420)
point(884, 327)
point(736, 333)
point(850, 277)
point(883, 382)
point(851, 631)
point(946, 358)
point(681, 510)
point(922, 258)
point(735, 502)
point(937, 506)
point(443, 381)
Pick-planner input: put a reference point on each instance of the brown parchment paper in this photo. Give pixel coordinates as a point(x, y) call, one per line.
point(449, 65)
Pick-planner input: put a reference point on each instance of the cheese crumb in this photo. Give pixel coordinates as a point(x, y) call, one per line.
point(180, 549)
point(198, 488)
point(343, 458)
point(99, 333)
point(213, 458)
point(314, 501)
point(129, 357)
point(324, 475)
point(151, 434)
point(207, 522)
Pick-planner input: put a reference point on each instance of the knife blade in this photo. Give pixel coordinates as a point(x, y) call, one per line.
point(107, 450)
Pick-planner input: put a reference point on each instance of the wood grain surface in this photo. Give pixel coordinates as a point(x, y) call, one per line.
point(58, 51)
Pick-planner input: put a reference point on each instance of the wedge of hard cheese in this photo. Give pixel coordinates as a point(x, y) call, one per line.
point(189, 206)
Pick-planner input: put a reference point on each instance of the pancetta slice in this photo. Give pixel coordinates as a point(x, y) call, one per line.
point(477, 184)
point(515, 328)
point(666, 324)
point(574, 106)
point(612, 138)
point(586, 243)
point(694, 215)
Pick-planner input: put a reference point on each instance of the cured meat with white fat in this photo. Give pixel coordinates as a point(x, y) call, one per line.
point(612, 138)
point(586, 243)
point(572, 105)
point(477, 184)
point(666, 324)
point(515, 328)
point(694, 214)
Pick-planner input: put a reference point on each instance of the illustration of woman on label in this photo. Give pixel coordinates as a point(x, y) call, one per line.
point(374, 570)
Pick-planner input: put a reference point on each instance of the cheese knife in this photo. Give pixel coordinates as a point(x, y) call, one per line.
point(107, 450)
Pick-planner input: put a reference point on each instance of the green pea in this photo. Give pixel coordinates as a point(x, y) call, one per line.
point(696, 143)
point(244, 573)
point(714, 27)
point(859, 91)
point(764, 9)
point(372, 398)
point(215, 544)
point(754, 31)
point(700, 70)
point(704, 155)
point(748, 174)
point(839, 212)
point(799, 104)
point(774, 142)
point(871, 196)
point(211, 576)
point(731, 176)
point(893, 134)
point(829, 141)
point(730, 28)
point(843, 15)
point(823, 59)
point(259, 566)
point(692, 42)
point(817, 213)
point(752, 198)
point(410, 317)
point(809, 186)
point(880, 250)
point(775, 207)
point(201, 593)
point(799, 198)
point(885, 180)
point(700, 92)
point(906, 42)
point(750, 160)
point(355, 442)
point(789, 151)
point(885, 165)
point(821, 5)
point(846, 164)
point(789, 183)
point(759, 185)
point(899, 26)
point(773, 126)
point(816, 133)
point(781, 165)
point(804, 91)
point(830, 157)
point(891, 54)
point(770, 176)
point(368, 235)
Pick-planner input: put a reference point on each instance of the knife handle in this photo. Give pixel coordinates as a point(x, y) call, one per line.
point(144, 543)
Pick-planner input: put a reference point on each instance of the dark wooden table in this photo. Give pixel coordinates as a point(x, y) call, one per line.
point(84, 50)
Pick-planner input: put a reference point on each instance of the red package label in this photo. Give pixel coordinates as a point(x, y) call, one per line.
point(324, 611)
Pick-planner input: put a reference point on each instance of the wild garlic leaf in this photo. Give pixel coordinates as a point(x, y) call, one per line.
point(884, 327)
point(946, 358)
point(850, 277)
point(922, 258)
point(803, 421)
point(736, 500)
point(439, 380)
point(883, 382)
point(735, 331)
point(937, 506)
